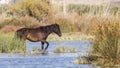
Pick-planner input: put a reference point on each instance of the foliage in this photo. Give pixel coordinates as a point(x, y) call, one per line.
point(8, 44)
point(66, 24)
point(25, 14)
point(38, 9)
point(26, 21)
point(107, 38)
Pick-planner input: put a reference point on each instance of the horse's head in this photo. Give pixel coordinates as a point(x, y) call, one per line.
point(57, 30)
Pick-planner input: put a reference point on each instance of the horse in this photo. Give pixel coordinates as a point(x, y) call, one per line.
point(38, 34)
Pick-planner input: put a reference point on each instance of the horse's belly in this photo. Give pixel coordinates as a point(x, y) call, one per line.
point(32, 38)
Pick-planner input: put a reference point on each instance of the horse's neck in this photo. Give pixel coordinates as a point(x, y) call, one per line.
point(48, 30)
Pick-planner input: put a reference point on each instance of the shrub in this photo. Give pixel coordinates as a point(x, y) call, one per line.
point(106, 44)
point(38, 9)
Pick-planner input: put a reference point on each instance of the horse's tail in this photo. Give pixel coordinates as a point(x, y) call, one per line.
point(16, 35)
point(20, 34)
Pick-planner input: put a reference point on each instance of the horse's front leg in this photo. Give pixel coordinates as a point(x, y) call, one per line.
point(47, 45)
point(42, 46)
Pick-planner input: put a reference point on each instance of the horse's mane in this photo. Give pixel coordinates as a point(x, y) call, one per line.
point(48, 27)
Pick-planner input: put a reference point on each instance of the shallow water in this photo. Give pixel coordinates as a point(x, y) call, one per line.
point(82, 46)
point(49, 60)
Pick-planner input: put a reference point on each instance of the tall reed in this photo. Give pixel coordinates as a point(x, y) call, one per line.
point(107, 41)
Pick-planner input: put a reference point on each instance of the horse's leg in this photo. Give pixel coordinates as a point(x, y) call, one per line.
point(42, 47)
point(43, 50)
point(47, 45)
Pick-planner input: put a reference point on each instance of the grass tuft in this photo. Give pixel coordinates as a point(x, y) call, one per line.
point(65, 49)
point(8, 44)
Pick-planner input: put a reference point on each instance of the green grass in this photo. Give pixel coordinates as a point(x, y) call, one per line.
point(9, 44)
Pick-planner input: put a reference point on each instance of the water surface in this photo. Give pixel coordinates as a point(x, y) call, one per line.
point(49, 60)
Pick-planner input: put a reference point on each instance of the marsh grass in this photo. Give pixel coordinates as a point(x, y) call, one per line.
point(9, 44)
point(65, 49)
point(106, 43)
point(107, 38)
point(73, 36)
point(36, 50)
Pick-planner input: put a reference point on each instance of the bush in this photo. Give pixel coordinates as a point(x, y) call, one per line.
point(38, 9)
point(107, 38)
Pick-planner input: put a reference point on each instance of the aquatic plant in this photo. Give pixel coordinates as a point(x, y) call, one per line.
point(65, 49)
point(36, 50)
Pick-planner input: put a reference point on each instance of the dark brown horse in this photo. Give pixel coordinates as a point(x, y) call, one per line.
point(39, 34)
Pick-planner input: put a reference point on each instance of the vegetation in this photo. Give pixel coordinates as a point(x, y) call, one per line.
point(34, 13)
point(74, 36)
point(65, 49)
point(84, 20)
point(95, 10)
point(106, 49)
point(107, 38)
point(38, 9)
point(9, 44)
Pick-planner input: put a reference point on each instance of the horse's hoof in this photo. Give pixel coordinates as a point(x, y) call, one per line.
point(42, 51)
point(39, 50)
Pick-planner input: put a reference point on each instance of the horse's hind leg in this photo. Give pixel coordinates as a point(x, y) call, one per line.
point(42, 46)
